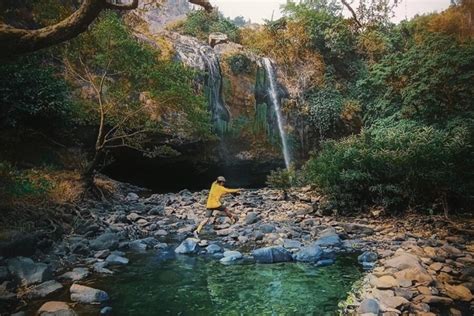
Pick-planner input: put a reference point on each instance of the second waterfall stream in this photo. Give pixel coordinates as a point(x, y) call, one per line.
point(275, 100)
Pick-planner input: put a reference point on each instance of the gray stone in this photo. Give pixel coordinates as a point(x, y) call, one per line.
point(369, 305)
point(157, 210)
point(291, 244)
point(44, 289)
point(80, 248)
point(55, 308)
point(251, 218)
point(100, 267)
point(188, 246)
point(352, 228)
point(137, 246)
point(28, 272)
point(213, 248)
point(133, 217)
point(105, 241)
point(231, 257)
point(76, 274)
point(116, 260)
point(267, 228)
point(328, 237)
point(132, 197)
point(367, 256)
point(161, 233)
point(310, 253)
point(271, 255)
point(87, 295)
point(102, 254)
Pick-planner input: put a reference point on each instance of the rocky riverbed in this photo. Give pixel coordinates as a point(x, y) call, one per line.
point(416, 265)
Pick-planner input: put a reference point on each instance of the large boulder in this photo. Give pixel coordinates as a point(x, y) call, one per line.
point(329, 238)
point(29, 272)
point(105, 241)
point(188, 246)
point(55, 308)
point(44, 289)
point(87, 295)
point(271, 254)
point(310, 253)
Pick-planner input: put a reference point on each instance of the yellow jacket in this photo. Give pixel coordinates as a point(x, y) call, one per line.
point(217, 191)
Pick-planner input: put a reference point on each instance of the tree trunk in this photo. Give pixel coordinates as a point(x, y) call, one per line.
point(16, 41)
point(89, 173)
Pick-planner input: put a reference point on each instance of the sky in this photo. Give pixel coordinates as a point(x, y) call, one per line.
point(258, 10)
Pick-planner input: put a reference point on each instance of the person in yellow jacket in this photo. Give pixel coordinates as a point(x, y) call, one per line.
point(214, 203)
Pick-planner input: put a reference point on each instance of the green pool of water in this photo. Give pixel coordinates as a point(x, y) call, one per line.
point(202, 286)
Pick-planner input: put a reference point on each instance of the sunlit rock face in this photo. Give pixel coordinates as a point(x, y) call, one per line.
point(168, 11)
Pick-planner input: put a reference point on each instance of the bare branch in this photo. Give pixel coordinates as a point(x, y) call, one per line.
point(354, 15)
point(125, 136)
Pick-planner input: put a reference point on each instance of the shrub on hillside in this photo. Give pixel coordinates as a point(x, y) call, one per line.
point(397, 164)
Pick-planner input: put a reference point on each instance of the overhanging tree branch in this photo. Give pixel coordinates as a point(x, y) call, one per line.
point(354, 15)
point(16, 41)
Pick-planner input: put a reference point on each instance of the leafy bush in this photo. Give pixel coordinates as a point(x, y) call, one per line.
point(239, 64)
point(397, 164)
point(32, 92)
point(325, 106)
point(282, 178)
point(431, 81)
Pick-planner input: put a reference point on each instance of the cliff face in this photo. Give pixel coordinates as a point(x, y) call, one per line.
point(168, 11)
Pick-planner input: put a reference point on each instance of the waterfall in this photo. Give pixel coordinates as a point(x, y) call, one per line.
point(273, 92)
point(220, 114)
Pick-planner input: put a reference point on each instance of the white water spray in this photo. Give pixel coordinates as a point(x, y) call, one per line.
point(276, 105)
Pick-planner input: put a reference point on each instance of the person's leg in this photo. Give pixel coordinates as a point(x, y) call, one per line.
point(230, 215)
point(203, 223)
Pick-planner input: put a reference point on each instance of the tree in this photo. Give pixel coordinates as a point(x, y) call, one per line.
point(15, 41)
point(123, 85)
point(371, 12)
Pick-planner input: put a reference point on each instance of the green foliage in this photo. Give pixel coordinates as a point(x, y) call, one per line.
point(282, 178)
point(32, 92)
point(130, 68)
point(325, 107)
point(17, 183)
point(397, 164)
point(431, 81)
point(200, 24)
point(239, 64)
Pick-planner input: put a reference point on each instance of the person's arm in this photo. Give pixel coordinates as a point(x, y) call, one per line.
point(226, 190)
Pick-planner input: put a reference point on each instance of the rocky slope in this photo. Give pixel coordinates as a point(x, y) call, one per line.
point(416, 265)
